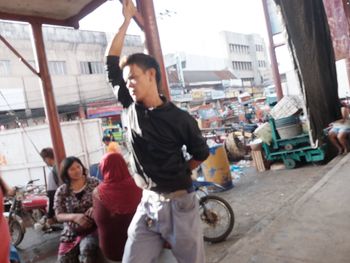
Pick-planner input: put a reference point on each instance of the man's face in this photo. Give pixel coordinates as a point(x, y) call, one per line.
point(49, 161)
point(138, 81)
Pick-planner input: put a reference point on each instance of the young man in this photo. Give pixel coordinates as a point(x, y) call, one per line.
point(52, 182)
point(111, 145)
point(156, 132)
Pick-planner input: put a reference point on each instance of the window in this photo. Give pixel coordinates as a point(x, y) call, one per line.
point(231, 47)
point(261, 64)
point(249, 65)
point(5, 68)
point(249, 81)
point(235, 48)
point(242, 65)
point(88, 67)
point(259, 48)
point(57, 67)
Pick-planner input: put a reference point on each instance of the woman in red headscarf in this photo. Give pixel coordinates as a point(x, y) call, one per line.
point(5, 234)
point(115, 201)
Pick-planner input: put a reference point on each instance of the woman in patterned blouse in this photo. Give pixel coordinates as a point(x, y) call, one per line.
point(73, 206)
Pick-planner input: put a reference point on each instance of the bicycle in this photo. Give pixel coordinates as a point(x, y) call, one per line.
point(215, 212)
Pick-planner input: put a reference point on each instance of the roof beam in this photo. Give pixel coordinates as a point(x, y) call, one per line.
point(90, 7)
point(19, 56)
point(33, 19)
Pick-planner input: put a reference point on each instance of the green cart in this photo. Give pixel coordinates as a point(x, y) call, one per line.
point(292, 150)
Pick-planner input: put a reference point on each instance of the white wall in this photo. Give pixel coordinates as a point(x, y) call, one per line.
point(343, 82)
point(81, 138)
point(61, 44)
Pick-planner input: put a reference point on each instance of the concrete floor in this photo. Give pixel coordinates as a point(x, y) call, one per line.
point(261, 202)
point(314, 229)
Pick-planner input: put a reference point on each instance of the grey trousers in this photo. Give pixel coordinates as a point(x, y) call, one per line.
point(157, 220)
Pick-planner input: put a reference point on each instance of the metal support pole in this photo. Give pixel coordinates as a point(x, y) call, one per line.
point(275, 72)
point(346, 6)
point(47, 91)
point(146, 8)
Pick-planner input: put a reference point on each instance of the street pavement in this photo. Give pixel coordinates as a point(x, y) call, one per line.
point(314, 229)
point(280, 216)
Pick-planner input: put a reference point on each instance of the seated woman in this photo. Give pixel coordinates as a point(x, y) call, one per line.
point(73, 206)
point(339, 132)
point(115, 201)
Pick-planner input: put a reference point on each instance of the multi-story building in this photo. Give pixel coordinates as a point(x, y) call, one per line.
point(190, 74)
point(76, 64)
point(247, 57)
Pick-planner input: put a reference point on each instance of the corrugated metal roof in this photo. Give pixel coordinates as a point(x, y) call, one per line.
point(194, 76)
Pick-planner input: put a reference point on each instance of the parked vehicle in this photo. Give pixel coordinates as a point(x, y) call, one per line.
point(114, 131)
point(26, 208)
point(216, 213)
point(292, 148)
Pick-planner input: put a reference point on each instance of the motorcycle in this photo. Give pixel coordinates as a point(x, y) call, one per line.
point(26, 208)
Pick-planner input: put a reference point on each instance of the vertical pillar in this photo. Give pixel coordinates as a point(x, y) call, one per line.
point(82, 114)
point(275, 72)
point(146, 8)
point(47, 90)
point(346, 6)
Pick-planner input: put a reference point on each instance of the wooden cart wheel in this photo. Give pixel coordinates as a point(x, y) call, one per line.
point(289, 163)
point(288, 147)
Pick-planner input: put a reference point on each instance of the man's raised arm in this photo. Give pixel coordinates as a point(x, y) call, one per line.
point(129, 10)
point(115, 74)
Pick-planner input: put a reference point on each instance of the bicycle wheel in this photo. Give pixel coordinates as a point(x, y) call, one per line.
point(217, 218)
point(16, 232)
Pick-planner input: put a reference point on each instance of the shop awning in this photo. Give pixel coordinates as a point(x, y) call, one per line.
point(99, 111)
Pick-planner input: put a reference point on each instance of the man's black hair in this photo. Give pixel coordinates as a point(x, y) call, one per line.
point(106, 138)
point(144, 61)
point(47, 153)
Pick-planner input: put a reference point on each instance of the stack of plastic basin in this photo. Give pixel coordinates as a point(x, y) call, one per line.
point(288, 127)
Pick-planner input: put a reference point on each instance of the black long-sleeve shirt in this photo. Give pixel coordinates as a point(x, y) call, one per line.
point(157, 137)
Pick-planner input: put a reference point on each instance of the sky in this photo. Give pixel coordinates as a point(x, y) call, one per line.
point(190, 25)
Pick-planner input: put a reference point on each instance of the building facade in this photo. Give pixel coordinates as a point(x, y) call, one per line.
point(76, 65)
point(247, 57)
